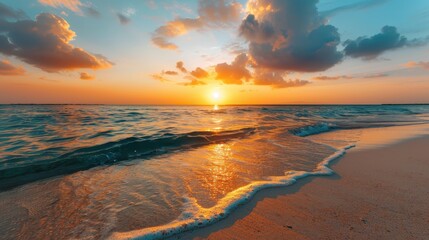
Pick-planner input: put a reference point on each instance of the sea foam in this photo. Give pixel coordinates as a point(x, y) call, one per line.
point(194, 216)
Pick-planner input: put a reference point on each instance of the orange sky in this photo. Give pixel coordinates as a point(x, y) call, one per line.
point(250, 51)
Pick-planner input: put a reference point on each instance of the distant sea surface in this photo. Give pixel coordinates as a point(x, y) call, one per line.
point(98, 171)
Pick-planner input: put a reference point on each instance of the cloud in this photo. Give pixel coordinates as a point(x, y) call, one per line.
point(73, 5)
point(340, 77)
point(193, 82)
point(92, 12)
point(234, 73)
point(160, 78)
point(276, 80)
point(254, 31)
point(354, 6)
point(170, 73)
point(181, 67)
point(212, 14)
point(124, 17)
point(372, 47)
point(376, 75)
point(9, 13)
point(44, 43)
point(86, 76)
point(124, 20)
point(199, 73)
point(290, 35)
point(6, 68)
point(424, 65)
point(235, 48)
point(333, 77)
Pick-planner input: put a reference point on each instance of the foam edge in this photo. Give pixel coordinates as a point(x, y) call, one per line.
point(195, 216)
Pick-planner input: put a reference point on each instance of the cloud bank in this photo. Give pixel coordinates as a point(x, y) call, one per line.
point(45, 43)
point(283, 37)
point(290, 35)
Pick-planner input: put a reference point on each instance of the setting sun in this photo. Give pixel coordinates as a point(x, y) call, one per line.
point(168, 119)
point(216, 95)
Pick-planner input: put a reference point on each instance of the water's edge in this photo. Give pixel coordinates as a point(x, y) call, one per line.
point(197, 217)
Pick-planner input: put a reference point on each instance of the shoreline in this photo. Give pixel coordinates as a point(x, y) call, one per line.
point(304, 211)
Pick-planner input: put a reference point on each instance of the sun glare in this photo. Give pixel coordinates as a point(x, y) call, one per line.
point(216, 95)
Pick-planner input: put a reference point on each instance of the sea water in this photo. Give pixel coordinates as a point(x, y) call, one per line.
point(99, 171)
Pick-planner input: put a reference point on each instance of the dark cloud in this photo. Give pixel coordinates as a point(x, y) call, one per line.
point(9, 13)
point(276, 80)
point(170, 73)
point(212, 14)
point(333, 77)
point(181, 67)
point(199, 73)
point(92, 12)
point(123, 19)
point(44, 43)
point(254, 31)
point(372, 47)
point(86, 76)
point(354, 6)
point(6, 68)
point(234, 73)
point(290, 35)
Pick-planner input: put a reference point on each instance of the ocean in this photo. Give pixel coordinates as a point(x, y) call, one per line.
point(99, 171)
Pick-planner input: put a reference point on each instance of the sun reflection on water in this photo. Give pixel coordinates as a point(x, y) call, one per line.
point(220, 175)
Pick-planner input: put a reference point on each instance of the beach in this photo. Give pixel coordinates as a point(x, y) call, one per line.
point(231, 173)
point(377, 192)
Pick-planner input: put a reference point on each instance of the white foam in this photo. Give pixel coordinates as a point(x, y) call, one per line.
point(195, 216)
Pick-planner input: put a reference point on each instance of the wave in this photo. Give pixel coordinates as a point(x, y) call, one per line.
point(194, 216)
point(113, 152)
point(322, 127)
point(313, 129)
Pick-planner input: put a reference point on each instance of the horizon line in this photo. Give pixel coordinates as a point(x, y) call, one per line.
point(268, 104)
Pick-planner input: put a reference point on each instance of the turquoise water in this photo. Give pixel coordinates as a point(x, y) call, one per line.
point(97, 170)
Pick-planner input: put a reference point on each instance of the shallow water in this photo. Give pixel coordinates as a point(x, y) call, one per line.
point(92, 171)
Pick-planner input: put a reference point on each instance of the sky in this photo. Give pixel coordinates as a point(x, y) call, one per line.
point(214, 52)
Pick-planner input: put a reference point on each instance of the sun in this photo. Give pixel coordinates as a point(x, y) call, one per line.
point(216, 95)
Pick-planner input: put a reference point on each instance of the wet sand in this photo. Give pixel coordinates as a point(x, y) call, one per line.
point(376, 193)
